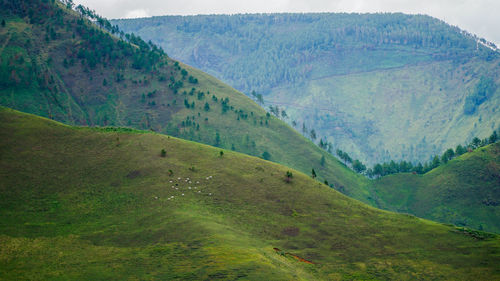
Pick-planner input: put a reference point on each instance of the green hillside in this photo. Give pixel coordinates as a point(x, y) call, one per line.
point(378, 86)
point(56, 63)
point(465, 191)
point(103, 204)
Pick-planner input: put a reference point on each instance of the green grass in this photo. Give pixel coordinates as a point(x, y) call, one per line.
point(92, 204)
point(465, 191)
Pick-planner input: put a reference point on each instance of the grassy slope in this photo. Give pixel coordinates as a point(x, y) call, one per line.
point(83, 203)
point(466, 191)
point(78, 96)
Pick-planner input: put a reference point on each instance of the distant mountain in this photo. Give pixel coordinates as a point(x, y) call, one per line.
point(107, 204)
point(378, 86)
point(75, 67)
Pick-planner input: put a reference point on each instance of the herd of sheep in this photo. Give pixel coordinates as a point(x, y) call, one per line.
point(191, 185)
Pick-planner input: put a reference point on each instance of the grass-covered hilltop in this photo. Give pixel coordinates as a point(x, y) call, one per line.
point(108, 204)
point(378, 86)
point(465, 191)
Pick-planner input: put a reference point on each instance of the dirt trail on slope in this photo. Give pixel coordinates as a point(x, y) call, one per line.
point(295, 256)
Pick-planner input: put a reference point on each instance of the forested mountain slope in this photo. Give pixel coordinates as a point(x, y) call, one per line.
point(378, 86)
point(106, 204)
point(58, 63)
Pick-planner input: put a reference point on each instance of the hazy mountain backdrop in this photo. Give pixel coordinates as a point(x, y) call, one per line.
point(378, 86)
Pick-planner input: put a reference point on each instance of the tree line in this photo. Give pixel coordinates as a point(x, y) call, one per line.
point(394, 167)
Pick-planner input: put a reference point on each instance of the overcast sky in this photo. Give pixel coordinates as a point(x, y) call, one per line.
point(480, 17)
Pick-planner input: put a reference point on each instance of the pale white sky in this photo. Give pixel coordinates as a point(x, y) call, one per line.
point(480, 17)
